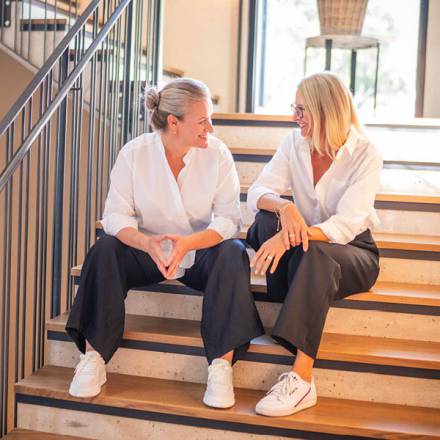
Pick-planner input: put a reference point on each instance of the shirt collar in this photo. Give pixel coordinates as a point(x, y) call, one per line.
point(350, 144)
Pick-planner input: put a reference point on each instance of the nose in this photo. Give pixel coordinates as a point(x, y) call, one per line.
point(294, 117)
point(209, 127)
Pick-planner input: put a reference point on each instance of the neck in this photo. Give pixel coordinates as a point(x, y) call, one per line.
point(173, 148)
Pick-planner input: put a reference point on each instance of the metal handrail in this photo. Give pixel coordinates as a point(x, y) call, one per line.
point(47, 67)
point(74, 75)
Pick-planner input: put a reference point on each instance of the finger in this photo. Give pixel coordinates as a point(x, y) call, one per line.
point(259, 263)
point(256, 257)
point(173, 266)
point(172, 257)
point(291, 236)
point(305, 238)
point(161, 267)
point(298, 237)
point(285, 237)
point(157, 253)
point(172, 237)
point(267, 263)
point(275, 262)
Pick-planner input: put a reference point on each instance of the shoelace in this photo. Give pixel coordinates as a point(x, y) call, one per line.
point(287, 384)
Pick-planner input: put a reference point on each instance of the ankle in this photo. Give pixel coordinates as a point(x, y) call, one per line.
point(306, 376)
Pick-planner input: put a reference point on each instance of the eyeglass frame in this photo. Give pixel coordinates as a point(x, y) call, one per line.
point(298, 110)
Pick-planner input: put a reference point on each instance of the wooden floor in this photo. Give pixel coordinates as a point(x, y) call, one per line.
point(332, 416)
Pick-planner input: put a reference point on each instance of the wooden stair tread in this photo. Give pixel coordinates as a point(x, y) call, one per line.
point(25, 434)
point(333, 416)
point(337, 347)
point(409, 123)
point(382, 197)
point(386, 292)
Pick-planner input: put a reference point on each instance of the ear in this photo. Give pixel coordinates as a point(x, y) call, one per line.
point(172, 122)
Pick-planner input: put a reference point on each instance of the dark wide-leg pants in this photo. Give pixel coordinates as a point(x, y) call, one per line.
point(229, 316)
point(308, 282)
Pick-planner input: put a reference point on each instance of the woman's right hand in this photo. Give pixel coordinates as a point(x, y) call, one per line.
point(293, 226)
point(269, 255)
point(152, 247)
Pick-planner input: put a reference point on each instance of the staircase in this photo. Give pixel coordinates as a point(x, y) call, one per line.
point(378, 366)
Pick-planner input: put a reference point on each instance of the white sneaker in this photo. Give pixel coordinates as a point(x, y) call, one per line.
point(89, 375)
point(219, 389)
point(289, 395)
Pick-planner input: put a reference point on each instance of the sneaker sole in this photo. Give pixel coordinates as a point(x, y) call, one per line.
point(87, 392)
point(286, 412)
point(218, 404)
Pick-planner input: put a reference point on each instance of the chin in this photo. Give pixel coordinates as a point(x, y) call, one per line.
point(202, 143)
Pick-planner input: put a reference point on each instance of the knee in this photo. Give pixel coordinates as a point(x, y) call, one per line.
point(264, 227)
point(319, 257)
point(105, 246)
point(233, 253)
point(266, 220)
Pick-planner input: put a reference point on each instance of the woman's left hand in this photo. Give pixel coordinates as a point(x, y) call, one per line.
point(269, 253)
point(180, 248)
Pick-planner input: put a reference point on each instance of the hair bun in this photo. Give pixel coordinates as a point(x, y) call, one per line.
point(152, 98)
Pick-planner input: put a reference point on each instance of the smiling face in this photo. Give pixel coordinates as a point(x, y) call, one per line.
point(303, 117)
point(193, 129)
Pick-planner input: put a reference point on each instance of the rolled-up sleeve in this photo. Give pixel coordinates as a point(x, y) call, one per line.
point(119, 211)
point(226, 212)
point(355, 204)
point(274, 179)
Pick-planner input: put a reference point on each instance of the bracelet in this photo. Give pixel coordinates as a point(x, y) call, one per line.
point(278, 211)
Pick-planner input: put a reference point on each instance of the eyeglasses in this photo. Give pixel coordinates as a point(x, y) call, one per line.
point(298, 110)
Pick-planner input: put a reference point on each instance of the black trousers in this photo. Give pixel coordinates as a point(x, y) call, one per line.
point(308, 282)
point(229, 316)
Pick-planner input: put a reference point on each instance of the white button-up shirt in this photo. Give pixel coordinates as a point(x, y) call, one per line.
point(342, 203)
point(145, 195)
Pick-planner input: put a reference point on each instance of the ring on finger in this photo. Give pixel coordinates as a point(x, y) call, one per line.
point(292, 235)
point(269, 257)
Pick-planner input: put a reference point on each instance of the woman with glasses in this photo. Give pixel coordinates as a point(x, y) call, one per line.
point(317, 248)
point(172, 211)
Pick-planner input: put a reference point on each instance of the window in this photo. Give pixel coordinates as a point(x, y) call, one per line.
point(283, 27)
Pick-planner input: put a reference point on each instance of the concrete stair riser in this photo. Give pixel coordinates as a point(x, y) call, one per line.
point(104, 427)
point(339, 320)
point(355, 385)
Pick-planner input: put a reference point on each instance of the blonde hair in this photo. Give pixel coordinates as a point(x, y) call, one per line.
point(331, 106)
point(173, 99)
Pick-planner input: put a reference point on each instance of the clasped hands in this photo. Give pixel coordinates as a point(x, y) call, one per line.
point(294, 231)
point(167, 265)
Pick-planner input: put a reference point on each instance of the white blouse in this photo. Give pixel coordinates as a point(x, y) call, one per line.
point(145, 195)
point(342, 203)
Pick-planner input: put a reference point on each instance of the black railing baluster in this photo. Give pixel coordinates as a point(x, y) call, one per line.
point(91, 141)
point(26, 237)
point(58, 206)
point(7, 272)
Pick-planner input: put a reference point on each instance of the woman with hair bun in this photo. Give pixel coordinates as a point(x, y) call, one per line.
point(172, 211)
point(317, 248)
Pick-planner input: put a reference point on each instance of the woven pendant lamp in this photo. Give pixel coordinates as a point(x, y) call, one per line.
point(341, 17)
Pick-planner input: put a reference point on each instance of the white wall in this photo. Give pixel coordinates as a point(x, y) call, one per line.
point(432, 75)
point(200, 38)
